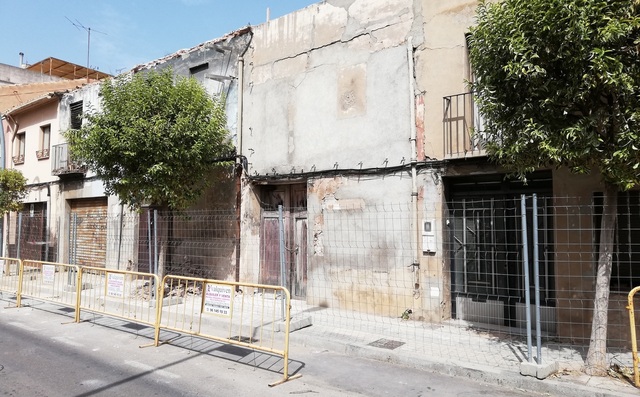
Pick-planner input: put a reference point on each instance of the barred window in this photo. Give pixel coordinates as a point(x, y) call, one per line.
point(76, 115)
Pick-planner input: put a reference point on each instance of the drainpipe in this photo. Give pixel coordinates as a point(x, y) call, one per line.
point(239, 165)
point(414, 173)
point(240, 102)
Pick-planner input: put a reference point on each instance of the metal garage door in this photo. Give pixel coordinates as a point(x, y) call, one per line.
point(88, 232)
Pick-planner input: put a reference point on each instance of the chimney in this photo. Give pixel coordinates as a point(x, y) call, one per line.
point(22, 64)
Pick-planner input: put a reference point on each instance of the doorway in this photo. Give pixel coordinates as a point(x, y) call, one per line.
point(293, 200)
point(485, 246)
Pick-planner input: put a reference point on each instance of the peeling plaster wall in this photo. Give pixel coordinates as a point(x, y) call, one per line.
point(442, 65)
point(326, 77)
point(327, 87)
point(214, 64)
point(360, 247)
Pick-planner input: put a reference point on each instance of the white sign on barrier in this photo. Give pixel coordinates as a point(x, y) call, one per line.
point(48, 274)
point(218, 299)
point(115, 285)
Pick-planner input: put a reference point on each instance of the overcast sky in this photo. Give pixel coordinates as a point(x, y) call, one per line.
point(124, 33)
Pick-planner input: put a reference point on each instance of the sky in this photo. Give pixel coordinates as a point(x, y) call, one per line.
point(124, 33)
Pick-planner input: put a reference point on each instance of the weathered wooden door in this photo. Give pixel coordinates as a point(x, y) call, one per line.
point(292, 198)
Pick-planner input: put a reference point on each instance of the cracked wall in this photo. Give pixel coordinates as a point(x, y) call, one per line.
point(329, 88)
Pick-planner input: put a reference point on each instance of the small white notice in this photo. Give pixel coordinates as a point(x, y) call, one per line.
point(48, 274)
point(218, 299)
point(115, 285)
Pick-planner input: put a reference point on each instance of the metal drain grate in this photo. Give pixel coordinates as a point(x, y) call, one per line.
point(386, 344)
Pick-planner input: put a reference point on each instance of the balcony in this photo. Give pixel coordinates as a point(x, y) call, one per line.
point(62, 165)
point(462, 127)
point(42, 154)
point(19, 159)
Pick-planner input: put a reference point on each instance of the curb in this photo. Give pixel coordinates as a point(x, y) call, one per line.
point(476, 372)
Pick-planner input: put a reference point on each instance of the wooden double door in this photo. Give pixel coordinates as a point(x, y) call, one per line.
point(293, 201)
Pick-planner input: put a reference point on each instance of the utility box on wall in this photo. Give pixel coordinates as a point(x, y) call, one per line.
point(429, 236)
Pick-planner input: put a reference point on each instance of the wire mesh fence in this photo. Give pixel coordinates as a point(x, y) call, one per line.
point(469, 281)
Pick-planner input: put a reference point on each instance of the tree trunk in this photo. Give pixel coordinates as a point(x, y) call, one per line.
point(597, 355)
point(162, 233)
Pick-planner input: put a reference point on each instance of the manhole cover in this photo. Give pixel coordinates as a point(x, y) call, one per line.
point(386, 344)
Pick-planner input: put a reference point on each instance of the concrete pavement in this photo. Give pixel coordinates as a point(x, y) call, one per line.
point(450, 349)
point(455, 350)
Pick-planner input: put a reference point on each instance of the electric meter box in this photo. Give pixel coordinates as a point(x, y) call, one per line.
point(429, 235)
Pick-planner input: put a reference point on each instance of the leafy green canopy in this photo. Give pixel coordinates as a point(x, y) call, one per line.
point(558, 84)
point(13, 189)
point(155, 140)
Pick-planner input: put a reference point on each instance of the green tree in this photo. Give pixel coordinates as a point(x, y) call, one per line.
point(155, 141)
point(13, 189)
point(557, 82)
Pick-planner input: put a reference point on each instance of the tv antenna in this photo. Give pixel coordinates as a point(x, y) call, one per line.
point(80, 26)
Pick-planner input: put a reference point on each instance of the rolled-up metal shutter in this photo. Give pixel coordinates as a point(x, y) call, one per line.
point(88, 232)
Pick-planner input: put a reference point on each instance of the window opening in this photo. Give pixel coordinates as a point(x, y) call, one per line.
point(76, 115)
point(45, 137)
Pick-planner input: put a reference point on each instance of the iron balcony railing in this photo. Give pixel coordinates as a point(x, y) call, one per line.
point(462, 127)
point(62, 162)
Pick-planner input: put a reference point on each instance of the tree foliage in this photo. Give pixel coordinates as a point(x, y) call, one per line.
point(558, 83)
point(13, 189)
point(155, 140)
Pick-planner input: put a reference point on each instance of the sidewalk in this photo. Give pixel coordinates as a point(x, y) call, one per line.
point(490, 356)
point(452, 348)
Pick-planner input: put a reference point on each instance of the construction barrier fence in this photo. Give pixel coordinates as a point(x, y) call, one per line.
point(253, 316)
point(10, 277)
point(116, 293)
point(48, 281)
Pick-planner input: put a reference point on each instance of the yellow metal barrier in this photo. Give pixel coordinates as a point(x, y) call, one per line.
point(256, 317)
point(10, 277)
point(49, 281)
point(122, 294)
point(634, 341)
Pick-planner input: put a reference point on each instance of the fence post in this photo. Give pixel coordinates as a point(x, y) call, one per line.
point(46, 234)
point(283, 273)
point(155, 243)
point(536, 279)
point(73, 241)
point(19, 235)
point(525, 262)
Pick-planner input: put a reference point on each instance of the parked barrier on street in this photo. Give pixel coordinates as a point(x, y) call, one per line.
point(634, 340)
point(117, 293)
point(10, 277)
point(48, 281)
point(254, 316)
point(243, 314)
